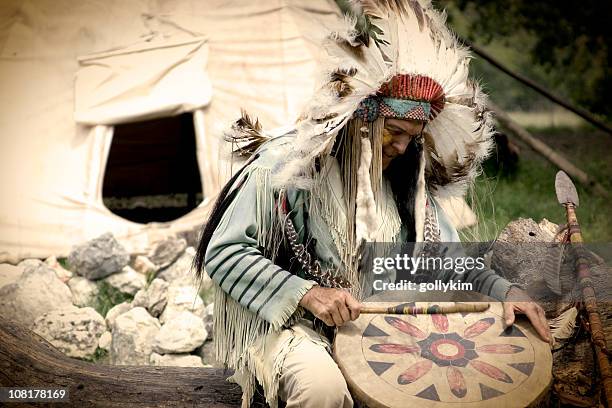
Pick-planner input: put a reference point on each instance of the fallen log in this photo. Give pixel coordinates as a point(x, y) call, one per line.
point(547, 152)
point(28, 360)
point(583, 113)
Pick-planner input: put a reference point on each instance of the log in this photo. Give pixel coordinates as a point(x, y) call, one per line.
point(28, 360)
point(518, 254)
point(547, 152)
point(583, 113)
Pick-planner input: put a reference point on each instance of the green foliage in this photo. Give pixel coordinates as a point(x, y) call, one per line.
point(207, 295)
point(530, 192)
point(563, 45)
point(150, 276)
point(64, 263)
point(108, 297)
point(99, 355)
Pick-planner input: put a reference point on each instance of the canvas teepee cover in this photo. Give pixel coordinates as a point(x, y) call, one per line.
point(71, 70)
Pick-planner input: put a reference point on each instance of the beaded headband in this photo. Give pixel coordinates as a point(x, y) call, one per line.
point(405, 96)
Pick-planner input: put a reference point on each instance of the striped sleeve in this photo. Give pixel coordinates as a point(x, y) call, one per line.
point(234, 260)
point(488, 282)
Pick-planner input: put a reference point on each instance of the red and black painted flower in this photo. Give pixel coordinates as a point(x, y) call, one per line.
point(452, 352)
point(448, 349)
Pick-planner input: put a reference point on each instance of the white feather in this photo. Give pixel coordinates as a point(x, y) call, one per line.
point(563, 326)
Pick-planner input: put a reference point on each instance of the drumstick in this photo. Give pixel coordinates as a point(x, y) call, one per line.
point(435, 309)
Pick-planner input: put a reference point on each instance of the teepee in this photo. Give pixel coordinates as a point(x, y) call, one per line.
point(71, 71)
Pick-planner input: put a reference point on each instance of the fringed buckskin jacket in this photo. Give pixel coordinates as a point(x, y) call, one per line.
point(258, 288)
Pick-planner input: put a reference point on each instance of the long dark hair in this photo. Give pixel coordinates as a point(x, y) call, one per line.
point(224, 199)
point(403, 174)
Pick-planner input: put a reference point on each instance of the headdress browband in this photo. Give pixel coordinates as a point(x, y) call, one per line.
point(405, 96)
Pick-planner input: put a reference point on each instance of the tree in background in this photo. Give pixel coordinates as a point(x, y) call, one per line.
point(568, 42)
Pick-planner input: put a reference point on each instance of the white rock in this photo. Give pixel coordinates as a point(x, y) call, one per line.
point(62, 273)
point(83, 291)
point(180, 270)
point(176, 360)
point(140, 299)
point(182, 298)
point(182, 334)
point(9, 274)
point(117, 311)
point(72, 330)
point(157, 296)
point(30, 263)
point(154, 298)
point(105, 340)
point(133, 335)
point(127, 281)
point(38, 290)
point(143, 265)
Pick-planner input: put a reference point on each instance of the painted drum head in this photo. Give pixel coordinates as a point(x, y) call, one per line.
point(432, 360)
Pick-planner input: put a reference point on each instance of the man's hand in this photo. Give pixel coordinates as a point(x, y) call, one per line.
point(517, 301)
point(334, 306)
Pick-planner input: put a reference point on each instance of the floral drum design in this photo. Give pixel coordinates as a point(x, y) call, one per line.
point(454, 358)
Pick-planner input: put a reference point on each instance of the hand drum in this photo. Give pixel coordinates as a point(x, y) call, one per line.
point(443, 360)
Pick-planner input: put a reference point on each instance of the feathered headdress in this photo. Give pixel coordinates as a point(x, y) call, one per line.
point(389, 50)
point(389, 59)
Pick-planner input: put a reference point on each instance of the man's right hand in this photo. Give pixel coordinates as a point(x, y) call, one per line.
point(333, 306)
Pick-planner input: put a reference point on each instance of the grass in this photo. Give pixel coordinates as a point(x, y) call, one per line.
point(108, 297)
point(207, 295)
point(530, 192)
point(150, 277)
point(99, 355)
point(64, 263)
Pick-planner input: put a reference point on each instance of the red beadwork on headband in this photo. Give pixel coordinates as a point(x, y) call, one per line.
point(416, 88)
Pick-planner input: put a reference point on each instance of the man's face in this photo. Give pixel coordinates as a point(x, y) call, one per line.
point(396, 137)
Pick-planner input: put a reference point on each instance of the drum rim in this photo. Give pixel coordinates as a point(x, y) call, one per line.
point(542, 357)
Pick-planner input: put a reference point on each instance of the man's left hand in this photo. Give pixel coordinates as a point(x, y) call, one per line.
point(517, 301)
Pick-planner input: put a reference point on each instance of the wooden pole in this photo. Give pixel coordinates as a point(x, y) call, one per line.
point(27, 360)
point(583, 275)
point(586, 115)
point(542, 148)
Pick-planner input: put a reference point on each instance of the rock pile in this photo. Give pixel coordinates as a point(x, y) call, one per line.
point(166, 320)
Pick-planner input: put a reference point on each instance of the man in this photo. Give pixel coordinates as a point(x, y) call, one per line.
point(396, 125)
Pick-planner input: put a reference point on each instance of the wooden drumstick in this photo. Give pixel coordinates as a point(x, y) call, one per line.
point(435, 309)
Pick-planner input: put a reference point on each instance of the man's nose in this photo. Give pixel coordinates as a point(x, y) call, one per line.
point(401, 146)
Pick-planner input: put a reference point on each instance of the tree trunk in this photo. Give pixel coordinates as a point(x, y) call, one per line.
point(27, 360)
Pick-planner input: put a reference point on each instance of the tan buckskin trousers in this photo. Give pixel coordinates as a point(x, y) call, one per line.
point(310, 378)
